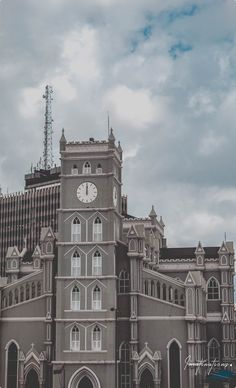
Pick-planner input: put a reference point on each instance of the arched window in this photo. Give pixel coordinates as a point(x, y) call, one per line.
point(182, 299)
point(75, 339)
point(33, 290)
point(74, 170)
point(96, 339)
point(152, 288)
point(12, 366)
point(176, 297)
point(123, 282)
point(213, 350)
point(97, 229)
point(14, 263)
point(146, 287)
point(174, 361)
point(132, 245)
point(124, 366)
point(87, 168)
point(75, 265)
point(49, 247)
point(22, 294)
point(158, 290)
point(27, 292)
point(170, 296)
point(75, 299)
point(97, 264)
point(10, 298)
point(39, 289)
point(213, 289)
point(164, 292)
point(16, 296)
point(76, 230)
point(99, 169)
point(97, 299)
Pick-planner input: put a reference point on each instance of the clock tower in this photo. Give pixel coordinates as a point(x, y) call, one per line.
point(89, 222)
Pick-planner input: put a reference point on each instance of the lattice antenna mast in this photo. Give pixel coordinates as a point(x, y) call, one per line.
point(47, 152)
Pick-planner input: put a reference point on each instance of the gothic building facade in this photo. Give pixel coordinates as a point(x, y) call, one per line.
point(103, 301)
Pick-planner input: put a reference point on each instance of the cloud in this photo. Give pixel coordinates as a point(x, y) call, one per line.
point(169, 87)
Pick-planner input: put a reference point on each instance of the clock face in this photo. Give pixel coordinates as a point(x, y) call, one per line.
point(114, 196)
point(87, 192)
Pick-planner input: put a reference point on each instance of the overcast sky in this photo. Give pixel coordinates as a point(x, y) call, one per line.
point(166, 72)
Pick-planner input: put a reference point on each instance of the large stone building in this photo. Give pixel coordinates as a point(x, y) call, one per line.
point(104, 302)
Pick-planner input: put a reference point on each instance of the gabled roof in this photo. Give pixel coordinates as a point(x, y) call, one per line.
point(186, 252)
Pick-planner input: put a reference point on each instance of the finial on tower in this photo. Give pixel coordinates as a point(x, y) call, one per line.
point(62, 140)
point(111, 138)
point(152, 213)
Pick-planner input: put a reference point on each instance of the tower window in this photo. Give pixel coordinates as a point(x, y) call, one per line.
point(75, 265)
point(99, 169)
point(96, 339)
point(123, 282)
point(75, 339)
point(97, 264)
point(124, 366)
point(97, 229)
point(74, 170)
point(97, 299)
point(76, 230)
point(213, 289)
point(87, 168)
point(75, 299)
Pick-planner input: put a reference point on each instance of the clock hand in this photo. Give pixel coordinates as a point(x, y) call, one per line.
point(86, 188)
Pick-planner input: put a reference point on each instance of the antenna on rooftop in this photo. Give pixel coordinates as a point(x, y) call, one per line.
point(47, 151)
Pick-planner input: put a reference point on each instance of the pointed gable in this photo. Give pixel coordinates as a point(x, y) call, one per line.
point(189, 281)
point(223, 248)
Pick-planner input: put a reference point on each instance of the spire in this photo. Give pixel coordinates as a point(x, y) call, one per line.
point(62, 141)
point(152, 213)
point(120, 150)
point(111, 139)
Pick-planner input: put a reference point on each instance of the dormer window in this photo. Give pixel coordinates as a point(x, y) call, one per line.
point(99, 169)
point(74, 170)
point(87, 168)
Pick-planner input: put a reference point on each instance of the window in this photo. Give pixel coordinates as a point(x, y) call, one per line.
point(87, 168)
point(97, 264)
point(39, 289)
point(123, 282)
point(33, 290)
point(99, 169)
point(97, 229)
point(164, 292)
point(170, 296)
point(14, 263)
point(16, 296)
point(182, 300)
point(76, 230)
point(10, 298)
point(74, 170)
point(75, 339)
point(158, 290)
point(27, 292)
point(12, 364)
point(21, 294)
point(49, 247)
point(97, 300)
point(75, 299)
point(213, 350)
point(96, 339)
point(124, 366)
point(75, 265)
point(152, 288)
point(146, 287)
point(176, 297)
point(213, 289)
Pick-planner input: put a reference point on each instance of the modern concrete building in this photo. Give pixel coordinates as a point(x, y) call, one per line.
point(104, 302)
